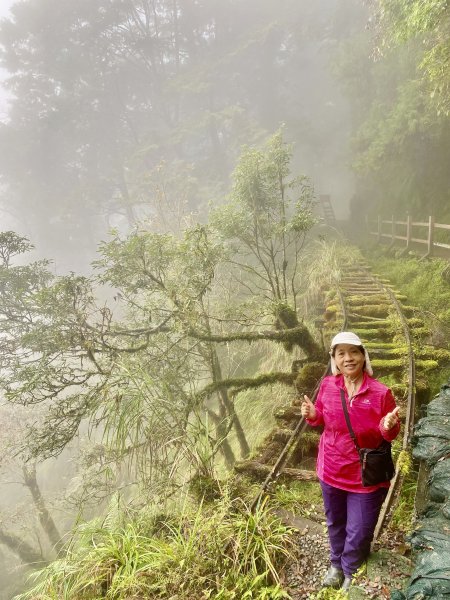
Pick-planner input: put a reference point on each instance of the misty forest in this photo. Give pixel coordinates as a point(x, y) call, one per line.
point(188, 189)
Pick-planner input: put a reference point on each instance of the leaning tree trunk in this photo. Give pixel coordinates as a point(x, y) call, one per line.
point(45, 519)
point(229, 406)
point(21, 548)
point(222, 431)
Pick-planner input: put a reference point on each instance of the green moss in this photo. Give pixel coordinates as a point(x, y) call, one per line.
point(374, 310)
point(404, 462)
point(369, 322)
point(427, 365)
point(301, 337)
point(400, 390)
point(439, 354)
point(409, 311)
point(369, 327)
point(308, 441)
point(403, 517)
point(375, 333)
point(390, 380)
point(377, 299)
point(306, 447)
point(421, 352)
point(308, 377)
point(204, 488)
point(239, 384)
point(414, 322)
point(399, 363)
point(393, 364)
point(285, 319)
point(330, 312)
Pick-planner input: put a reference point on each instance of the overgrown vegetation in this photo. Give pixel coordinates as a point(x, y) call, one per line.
point(220, 551)
point(427, 286)
point(300, 498)
point(170, 376)
point(396, 77)
point(404, 515)
point(425, 283)
point(155, 376)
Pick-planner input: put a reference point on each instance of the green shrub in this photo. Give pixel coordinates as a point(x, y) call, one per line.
point(224, 551)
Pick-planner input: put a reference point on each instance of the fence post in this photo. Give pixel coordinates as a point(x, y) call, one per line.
point(379, 229)
point(430, 235)
point(408, 230)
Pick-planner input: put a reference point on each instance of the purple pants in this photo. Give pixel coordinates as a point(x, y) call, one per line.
point(351, 521)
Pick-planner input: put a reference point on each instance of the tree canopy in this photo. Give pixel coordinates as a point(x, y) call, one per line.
point(148, 368)
point(400, 97)
point(104, 93)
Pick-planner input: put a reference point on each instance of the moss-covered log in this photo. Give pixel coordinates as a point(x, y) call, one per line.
point(282, 435)
point(363, 300)
point(288, 413)
point(296, 336)
point(269, 450)
point(308, 377)
point(259, 471)
point(238, 384)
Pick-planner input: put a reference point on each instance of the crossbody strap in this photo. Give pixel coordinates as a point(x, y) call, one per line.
point(347, 419)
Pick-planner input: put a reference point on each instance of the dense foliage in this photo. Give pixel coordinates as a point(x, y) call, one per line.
point(132, 114)
point(120, 107)
point(223, 551)
point(397, 80)
point(153, 372)
point(426, 285)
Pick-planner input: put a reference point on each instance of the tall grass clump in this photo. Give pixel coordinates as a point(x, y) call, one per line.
point(222, 551)
point(425, 283)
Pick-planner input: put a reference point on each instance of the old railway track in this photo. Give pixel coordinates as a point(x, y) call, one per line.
point(367, 305)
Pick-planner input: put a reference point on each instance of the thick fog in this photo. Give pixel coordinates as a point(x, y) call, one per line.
point(124, 116)
point(53, 201)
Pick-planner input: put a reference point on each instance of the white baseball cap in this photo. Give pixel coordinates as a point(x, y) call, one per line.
point(348, 337)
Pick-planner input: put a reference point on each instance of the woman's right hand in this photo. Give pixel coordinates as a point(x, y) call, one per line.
point(308, 409)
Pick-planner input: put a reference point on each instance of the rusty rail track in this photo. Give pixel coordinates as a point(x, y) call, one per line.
point(397, 481)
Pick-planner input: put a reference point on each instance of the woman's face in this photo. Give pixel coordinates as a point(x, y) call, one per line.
point(349, 360)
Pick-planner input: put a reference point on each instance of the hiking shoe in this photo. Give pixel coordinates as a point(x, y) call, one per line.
point(346, 583)
point(333, 578)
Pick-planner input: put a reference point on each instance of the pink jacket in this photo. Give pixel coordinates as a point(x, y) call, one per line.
point(338, 461)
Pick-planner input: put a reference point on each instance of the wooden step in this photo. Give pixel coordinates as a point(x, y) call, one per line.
point(288, 413)
point(260, 471)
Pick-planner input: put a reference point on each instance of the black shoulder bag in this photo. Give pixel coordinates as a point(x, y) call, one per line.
point(376, 463)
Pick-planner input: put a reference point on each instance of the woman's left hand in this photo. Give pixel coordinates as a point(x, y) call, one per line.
point(391, 419)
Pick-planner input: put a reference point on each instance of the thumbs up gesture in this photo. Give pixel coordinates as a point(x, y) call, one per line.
point(307, 409)
point(391, 419)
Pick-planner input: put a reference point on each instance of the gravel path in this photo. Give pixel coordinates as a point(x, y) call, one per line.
point(304, 575)
point(387, 569)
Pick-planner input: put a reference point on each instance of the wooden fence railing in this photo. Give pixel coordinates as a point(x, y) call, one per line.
point(408, 232)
